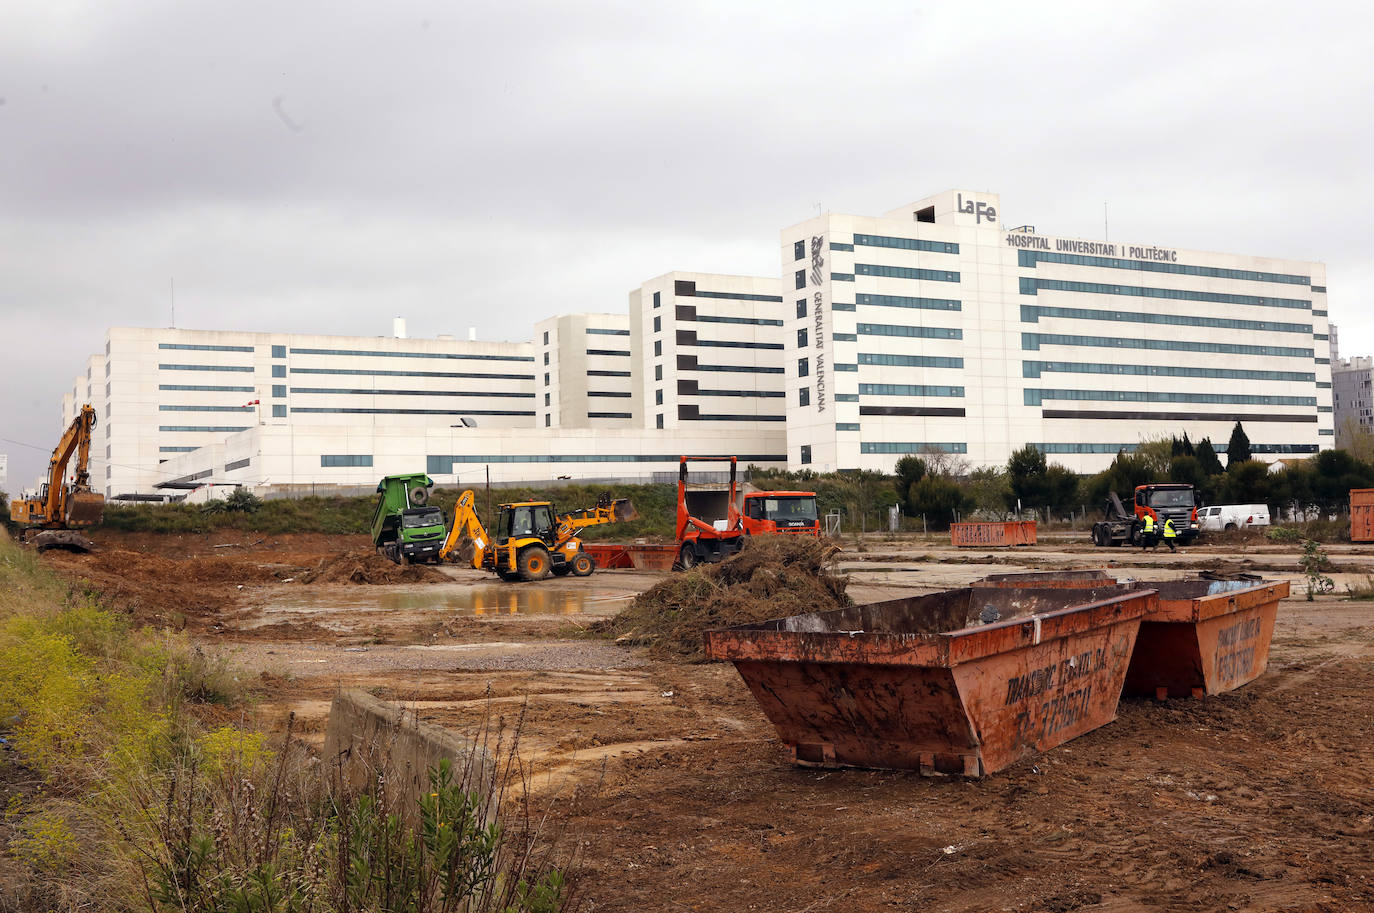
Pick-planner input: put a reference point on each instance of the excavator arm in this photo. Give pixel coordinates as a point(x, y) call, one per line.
point(606, 510)
point(467, 541)
point(60, 506)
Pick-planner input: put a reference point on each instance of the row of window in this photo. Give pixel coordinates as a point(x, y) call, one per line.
point(320, 410)
point(364, 392)
point(743, 369)
point(910, 361)
point(909, 390)
point(598, 331)
point(1034, 397)
point(762, 394)
point(243, 369)
point(1031, 313)
point(166, 450)
point(748, 321)
point(612, 393)
point(1029, 258)
point(883, 329)
point(1036, 368)
point(345, 459)
point(1032, 342)
point(359, 353)
point(936, 247)
point(912, 447)
point(367, 372)
point(205, 388)
point(197, 348)
point(215, 428)
point(443, 465)
point(205, 408)
point(900, 301)
point(237, 464)
point(616, 352)
point(846, 426)
point(726, 344)
point(1031, 286)
point(606, 374)
point(607, 415)
point(903, 272)
point(735, 296)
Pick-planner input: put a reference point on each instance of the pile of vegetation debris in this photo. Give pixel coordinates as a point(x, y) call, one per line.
point(773, 577)
point(370, 569)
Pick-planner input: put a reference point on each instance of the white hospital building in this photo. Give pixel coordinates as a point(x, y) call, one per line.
point(930, 327)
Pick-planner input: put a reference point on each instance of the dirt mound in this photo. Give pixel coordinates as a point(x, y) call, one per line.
point(774, 576)
point(369, 569)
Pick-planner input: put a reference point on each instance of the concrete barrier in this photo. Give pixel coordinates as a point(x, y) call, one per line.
point(367, 737)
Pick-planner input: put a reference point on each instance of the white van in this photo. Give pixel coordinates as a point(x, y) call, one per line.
point(1232, 516)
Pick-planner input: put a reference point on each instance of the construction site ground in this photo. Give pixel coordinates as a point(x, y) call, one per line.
point(1257, 800)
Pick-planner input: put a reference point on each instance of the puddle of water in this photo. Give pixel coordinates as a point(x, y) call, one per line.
point(478, 601)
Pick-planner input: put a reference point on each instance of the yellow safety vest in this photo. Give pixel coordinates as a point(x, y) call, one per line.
point(1169, 531)
point(1149, 523)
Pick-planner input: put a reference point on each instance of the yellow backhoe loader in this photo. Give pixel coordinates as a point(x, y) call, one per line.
point(530, 541)
point(50, 519)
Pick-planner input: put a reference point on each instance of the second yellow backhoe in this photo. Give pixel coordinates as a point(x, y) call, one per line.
point(529, 540)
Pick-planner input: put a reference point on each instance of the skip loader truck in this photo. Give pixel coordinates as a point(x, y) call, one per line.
point(1163, 501)
point(529, 540)
point(404, 528)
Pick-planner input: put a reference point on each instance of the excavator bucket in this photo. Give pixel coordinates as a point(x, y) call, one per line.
point(624, 510)
point(85, 508)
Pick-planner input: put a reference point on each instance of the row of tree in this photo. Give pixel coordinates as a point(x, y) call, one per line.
point(941, 486)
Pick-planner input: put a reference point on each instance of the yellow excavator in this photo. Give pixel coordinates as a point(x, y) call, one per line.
point(530, 541)
point(50, 519)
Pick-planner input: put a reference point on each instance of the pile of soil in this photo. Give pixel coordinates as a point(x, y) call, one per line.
point(773, 577)
point(369, 569)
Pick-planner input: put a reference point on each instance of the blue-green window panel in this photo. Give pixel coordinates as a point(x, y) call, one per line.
point(1322, 361)
point(214, 428)
point(333, 460)
point(909, 390)
point(841, 366)
point(738, 296)
point(761, 394)
point(1323, 385)
point(1036, 368)
point(1326, 431)
point(738, 369)
point(248, 369)
point(1031, 286)
point(279, 351)
point(1323, 408)
point(911, 361)
point(748, 321)
point(1032, 342)
point(1319, 288)
point(320, 410)
point(279, 390)
point(1317, 313)
point(443, 464)
point(703, 417)
point(1320, 336)
point(599, 331)
point(1031, 313)
point(186, 347)
point(237, 464)
point(617, 352)
point(935, 247)
point(205, 408)
point(845, 337)
point(363, 353)
point(176, 449)
point(279, 370)
point(1081, 447)
point(605, 374)
point(842, 306)
point(846, 426)
point(841, 277)
point(846, 397)
point(1283, 448)
point(1029, 258)
point(1035, 397)
point(901, 301)
point(840, 245)
point(902, 272)
point(609, 415)
point(911, 447)
point(727, 344)
point(205, 388)
point(884, 329)
point(625, 394)
point(279, 410)
point(366, 372)
point(367, 392)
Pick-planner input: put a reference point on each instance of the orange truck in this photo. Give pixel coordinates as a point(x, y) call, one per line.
point(709, 524)
point(786, 512)
point(1162, 500)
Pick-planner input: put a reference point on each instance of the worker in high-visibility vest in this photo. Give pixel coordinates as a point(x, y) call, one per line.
point(1170, 534)
point(1147, 537)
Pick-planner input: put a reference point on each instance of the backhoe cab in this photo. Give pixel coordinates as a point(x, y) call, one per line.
point(529, 540)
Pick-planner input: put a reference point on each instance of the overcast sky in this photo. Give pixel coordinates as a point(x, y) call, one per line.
point(324, 166)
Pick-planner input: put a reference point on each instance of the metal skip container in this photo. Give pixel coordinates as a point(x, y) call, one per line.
point(974, 535)
point(1205, 637)
point(961, 682)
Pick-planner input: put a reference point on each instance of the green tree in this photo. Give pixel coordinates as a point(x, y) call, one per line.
point(1238, 450)
point(1026, 475)
point(910, 470)
point(937, 499)
point(987, 489)
point(1207, 458)
point(1249, 482)
point(1126, 472)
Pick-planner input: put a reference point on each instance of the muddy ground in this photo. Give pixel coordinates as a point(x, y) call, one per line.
point(1259, 800)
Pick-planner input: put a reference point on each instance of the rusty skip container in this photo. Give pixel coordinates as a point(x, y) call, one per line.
point(922, 684)
point(640, 556)
point(1204, 637)
point(1362, 515)
point(1057, 579)
point(972, 535)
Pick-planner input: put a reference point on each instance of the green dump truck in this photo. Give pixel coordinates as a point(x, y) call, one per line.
point(403, 527)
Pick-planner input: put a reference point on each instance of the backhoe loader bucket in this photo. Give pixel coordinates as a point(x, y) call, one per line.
point(85, 508)
point(624, 510)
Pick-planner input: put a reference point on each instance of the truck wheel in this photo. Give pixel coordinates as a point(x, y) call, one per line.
point(687, 558)
point(534, 563)
point(582, 565)
point(1230, 527)
point(1097, 536)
